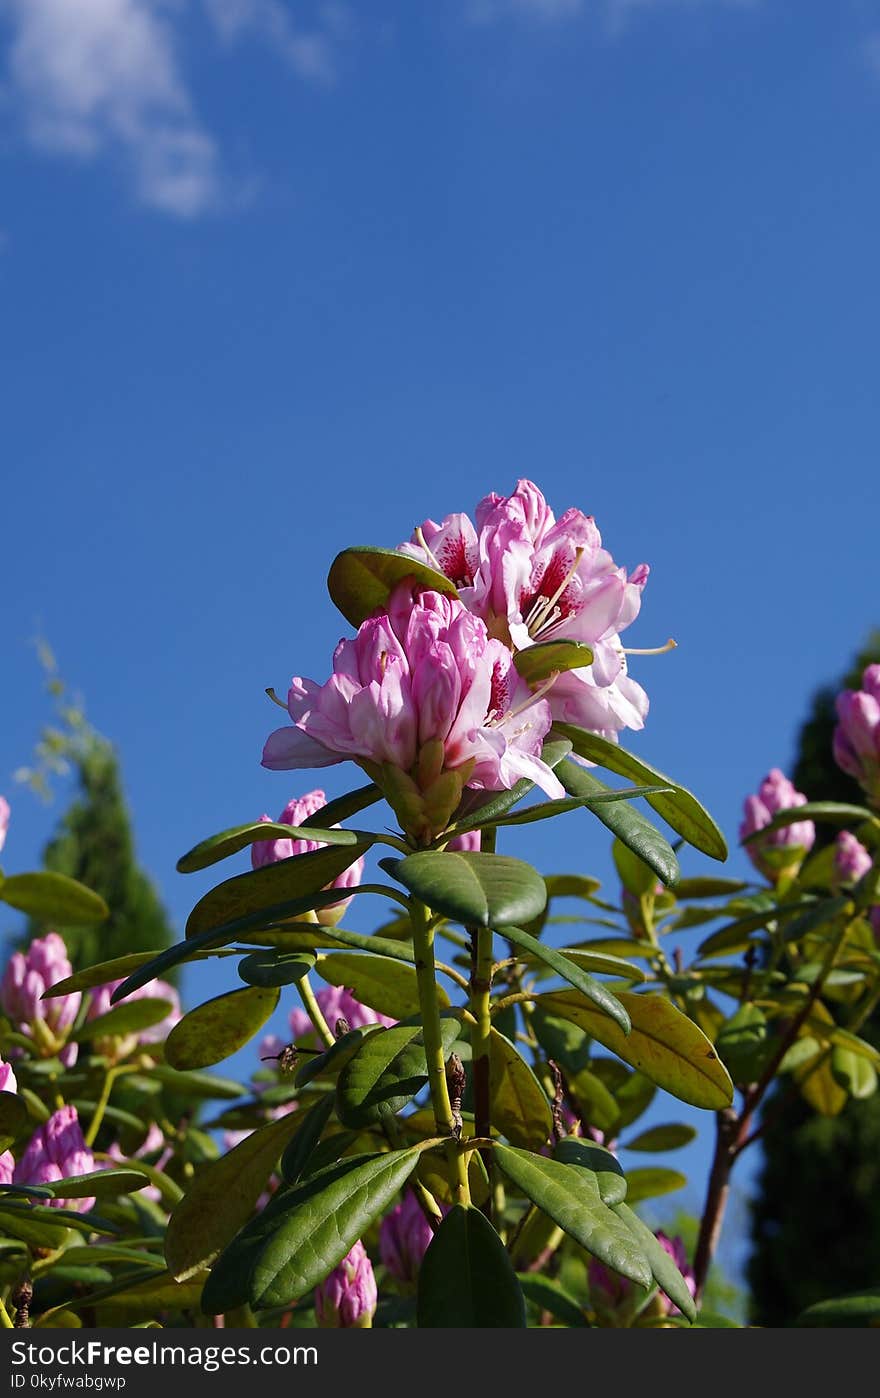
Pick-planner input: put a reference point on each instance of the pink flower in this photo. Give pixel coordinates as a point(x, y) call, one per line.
point(534, 578)
point(349, 1296)
point(780, 851)
point(7, 1167)
point(857, 735)
point(119, 1046)
point(404, 1235)
point(676, 1249)
point(851, 860)
point(874, 919)
point(296, 812)
point(8, 1081)
point(4, 820)
point(27, 976)
point(336, 1003)
point(426, 702)
point(153, 1144)
point(57, 1151)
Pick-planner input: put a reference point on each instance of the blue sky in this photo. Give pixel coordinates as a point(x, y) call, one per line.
point(276, 278)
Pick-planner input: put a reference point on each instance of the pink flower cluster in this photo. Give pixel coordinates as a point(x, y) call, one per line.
point(4, 820)
point(27, 976)
point(532, 577)
point(335, 1003)
point(296, 812)
point(348, 1297)
point(783, 850)
point(404, 1236)
point(56, 1151)
point(857, 735)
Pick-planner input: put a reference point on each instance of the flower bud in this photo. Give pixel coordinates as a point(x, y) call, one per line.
point(57, 1151)
point(4, 820)
point(856, 743)
point(349, 1296)
point(7, 1167)
point(119, 1046)
point(297, 812)
point(404, 1235)
point(851, 860)
point(782, 851)
point(27, 976)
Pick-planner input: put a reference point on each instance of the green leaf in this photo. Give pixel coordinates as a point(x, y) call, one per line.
point(294, 1245)
point(100, 1184)
point(466, 1280)
point(385, 985)
point(571, 1150)
point(570, 1196)
point(561, 1040)
point(483, 890)
point(855, 1074)
point(548, 1295)
point(707, 888)
point(520, 1109)
point(546, 658)
point(593, 961)
point(49, 897)
point(624, 821)
point(14, 1117)
point(90, 976)
point(571, 886)
point(658, 1138)
point(222, 1197)
point(594, 990)
point(636, 876)
point(834, 812)
point(681, 809)
point(217, 847)
point(386, 1071)
point(651, 1182)
point(663, 1044)
point(275, 968)
point(218, 1028)
point(263, 890)
point(742, 1043)
point(132, 1018)
point(334, 1059)
point(362, 579)
point(856, 1309)
point(666, 1274)
point(298, 1152)
point(343, 807)
point(196, 1084)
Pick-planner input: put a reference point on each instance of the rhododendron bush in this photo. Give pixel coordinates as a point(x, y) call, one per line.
point(434, 1140)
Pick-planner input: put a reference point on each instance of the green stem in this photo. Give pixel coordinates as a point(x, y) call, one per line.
point(423, 947)
point(313, 1010)
point(481, 990)
point(101, 1106)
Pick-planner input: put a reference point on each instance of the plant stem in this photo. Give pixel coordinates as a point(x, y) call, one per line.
point(423, 947)
point(481, 989)
point(313, 1010)
point(101, 1107)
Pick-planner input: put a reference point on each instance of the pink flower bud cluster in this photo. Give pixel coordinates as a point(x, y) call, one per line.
point(348, 1298)
point(856, 743)
point(27, 976)
point(783, 850)
point(296, 812)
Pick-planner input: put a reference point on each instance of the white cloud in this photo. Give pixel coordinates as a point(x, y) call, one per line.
point(97, 76)
point(310, 52)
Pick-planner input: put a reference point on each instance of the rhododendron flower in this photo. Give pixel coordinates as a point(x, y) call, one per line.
point(533, 578)
point(857, 735)
point(404, 1235)
point(349, 1296)
point(427, 703)
point(617, 1300)
point(27, 976)
point(296, 812)
point(7, 1167)
point(57, 1151)
point(4, 820)
point(121, 1045)
point(851, 860)
point(336, 1003)
point(8, 1081)
point(780, 851)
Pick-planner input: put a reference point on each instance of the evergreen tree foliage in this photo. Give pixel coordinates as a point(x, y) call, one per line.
point(816, 1217)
